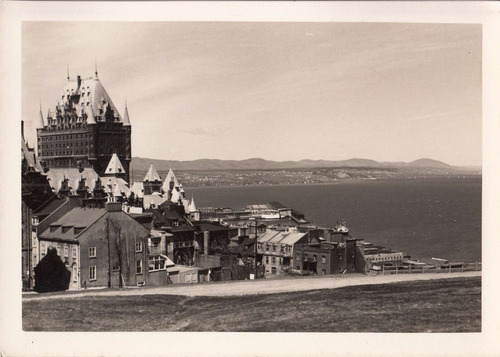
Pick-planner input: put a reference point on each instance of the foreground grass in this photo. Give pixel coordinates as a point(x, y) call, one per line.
point(450, 305)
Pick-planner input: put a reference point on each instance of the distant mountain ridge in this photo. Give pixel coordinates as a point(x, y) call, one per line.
point(142, 164)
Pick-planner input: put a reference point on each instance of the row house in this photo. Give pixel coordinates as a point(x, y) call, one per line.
point(276, 249)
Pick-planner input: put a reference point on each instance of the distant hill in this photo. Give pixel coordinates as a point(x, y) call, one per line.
point(142, 164)
point(428, 163)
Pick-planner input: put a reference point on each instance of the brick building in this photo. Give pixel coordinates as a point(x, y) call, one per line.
point(325, 258)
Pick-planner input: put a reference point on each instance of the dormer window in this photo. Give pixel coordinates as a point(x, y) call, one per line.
point(65, 229)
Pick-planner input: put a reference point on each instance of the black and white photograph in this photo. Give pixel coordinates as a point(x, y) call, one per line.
point(292, 178)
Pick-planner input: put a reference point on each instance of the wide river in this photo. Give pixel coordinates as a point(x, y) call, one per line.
point(423, 217)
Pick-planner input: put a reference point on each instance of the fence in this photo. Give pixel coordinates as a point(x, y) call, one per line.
point(477, 266)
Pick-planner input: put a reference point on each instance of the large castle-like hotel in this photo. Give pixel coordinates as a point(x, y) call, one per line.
point(84, 129)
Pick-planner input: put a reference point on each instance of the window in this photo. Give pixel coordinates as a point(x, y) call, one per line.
point(156, 263)
point(297, 257)
point(66, 250)
point(138, 267)
point(138, 247)
point(267, 259)
point(75, 273)
point(323, 271)
point(92, 252)
point(323, 259)
point(74, 252)
point(92, 273)
point(116, 267)
point(273, 260)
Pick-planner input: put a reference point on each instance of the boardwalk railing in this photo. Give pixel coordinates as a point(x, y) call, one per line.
point(477, 266)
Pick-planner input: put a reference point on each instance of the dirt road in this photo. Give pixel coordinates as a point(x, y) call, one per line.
point(250, 287)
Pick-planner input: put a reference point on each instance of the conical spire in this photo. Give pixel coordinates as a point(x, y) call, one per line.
point(126, 119)
point(192, 206)
point(40, 123)
point(90, 116)
point(115, 167)
point(170, 178)
point(176, 196)
point(152, 175)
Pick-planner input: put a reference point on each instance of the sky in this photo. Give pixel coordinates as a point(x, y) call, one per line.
point(278, 91)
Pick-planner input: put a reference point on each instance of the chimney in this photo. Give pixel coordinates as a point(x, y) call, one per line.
point(206, 242)
point(22, 129)
point(78, 81)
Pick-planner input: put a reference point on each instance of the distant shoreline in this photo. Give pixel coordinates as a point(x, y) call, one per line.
point(338, 182)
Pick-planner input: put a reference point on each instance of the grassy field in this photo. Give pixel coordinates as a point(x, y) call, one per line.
point(450, 305)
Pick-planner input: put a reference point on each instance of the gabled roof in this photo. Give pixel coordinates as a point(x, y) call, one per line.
point(77, 217)
point(287, 237)
point(114, 167)
point(152, 174)
point(266, 237)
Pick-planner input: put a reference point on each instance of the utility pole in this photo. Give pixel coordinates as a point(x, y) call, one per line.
point(255, 250)
point(109, 253)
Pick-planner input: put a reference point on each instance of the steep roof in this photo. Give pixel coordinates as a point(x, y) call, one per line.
point(40, 122)
point(49, 207)
point(192, 206)
point(30, 157)
point(90, 115)
point(57, 175)
point(152, 174)
point(170, 178)
point(91, 94)
point(78, 217)
point(126, 119)
point(114, 167)
point(115, 185)
point(150, 201)
point(138, 189)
